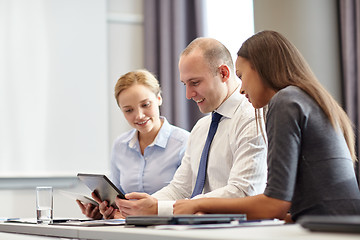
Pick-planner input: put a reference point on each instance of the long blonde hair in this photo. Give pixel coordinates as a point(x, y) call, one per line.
point(280, 64)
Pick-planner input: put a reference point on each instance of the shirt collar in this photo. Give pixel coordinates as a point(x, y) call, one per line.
point(160, 140)
point(132, 139)
point(229, 107)
point(163, 135)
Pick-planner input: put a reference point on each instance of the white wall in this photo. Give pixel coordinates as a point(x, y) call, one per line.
point(312, 26)
point(125, 34)
point(125, 53)
point(53, 100)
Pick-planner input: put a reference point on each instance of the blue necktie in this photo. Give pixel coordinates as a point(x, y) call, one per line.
point(200, 180)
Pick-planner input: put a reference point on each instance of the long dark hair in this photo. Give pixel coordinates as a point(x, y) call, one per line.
point(280, 64)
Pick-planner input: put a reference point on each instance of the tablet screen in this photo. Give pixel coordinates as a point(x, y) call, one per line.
point(105, 189)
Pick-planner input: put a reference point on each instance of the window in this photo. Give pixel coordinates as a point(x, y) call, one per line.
point(229, 21)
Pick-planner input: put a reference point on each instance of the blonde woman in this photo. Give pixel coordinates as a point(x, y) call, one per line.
point(145, 158)
point(310, 139)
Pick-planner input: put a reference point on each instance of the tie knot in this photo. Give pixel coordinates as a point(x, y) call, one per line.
point(216, 117)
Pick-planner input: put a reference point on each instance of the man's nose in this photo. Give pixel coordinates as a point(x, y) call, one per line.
point(189, 93)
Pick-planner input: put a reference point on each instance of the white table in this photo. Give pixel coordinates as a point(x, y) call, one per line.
point(15, 236)
point(294, 231)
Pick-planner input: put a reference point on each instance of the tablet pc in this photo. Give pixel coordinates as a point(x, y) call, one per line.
point(150, 220)
point(105, 189)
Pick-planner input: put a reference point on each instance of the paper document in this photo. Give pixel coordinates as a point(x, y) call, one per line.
point(76, 196)
point(91, 223)
point(4, 219)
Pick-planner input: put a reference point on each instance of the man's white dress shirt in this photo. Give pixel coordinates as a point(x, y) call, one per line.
point(237, 157)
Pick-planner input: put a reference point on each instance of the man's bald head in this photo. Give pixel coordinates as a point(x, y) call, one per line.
point(213, 51)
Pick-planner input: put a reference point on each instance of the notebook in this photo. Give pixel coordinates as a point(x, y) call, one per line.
point(183, 219)
point(349, 224)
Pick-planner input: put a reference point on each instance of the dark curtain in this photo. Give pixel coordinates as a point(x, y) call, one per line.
point(349, 16)
point(169, 26)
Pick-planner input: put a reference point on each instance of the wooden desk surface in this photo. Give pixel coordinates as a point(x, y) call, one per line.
point(120, 232)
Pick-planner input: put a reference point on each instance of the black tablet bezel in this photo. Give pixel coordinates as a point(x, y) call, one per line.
point(105, 189)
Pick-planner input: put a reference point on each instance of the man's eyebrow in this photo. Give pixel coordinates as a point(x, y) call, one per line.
point(191, 79)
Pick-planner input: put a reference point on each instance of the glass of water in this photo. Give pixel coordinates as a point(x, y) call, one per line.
point(44, 205)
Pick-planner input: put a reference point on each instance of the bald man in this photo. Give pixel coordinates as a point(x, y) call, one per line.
point(236, 163)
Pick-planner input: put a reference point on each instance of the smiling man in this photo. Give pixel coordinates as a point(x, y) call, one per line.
point(236, 160)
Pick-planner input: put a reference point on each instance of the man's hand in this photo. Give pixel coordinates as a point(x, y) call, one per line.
point(186, 206)
point(137, 204)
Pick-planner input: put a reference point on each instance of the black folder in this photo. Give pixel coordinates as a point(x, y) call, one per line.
point(349, 224)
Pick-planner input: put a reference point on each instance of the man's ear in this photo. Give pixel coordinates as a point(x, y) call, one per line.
point(224, 72)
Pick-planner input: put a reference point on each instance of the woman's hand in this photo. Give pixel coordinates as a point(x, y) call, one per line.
point(89, 210)
point(108, 212)
point(187, 206)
